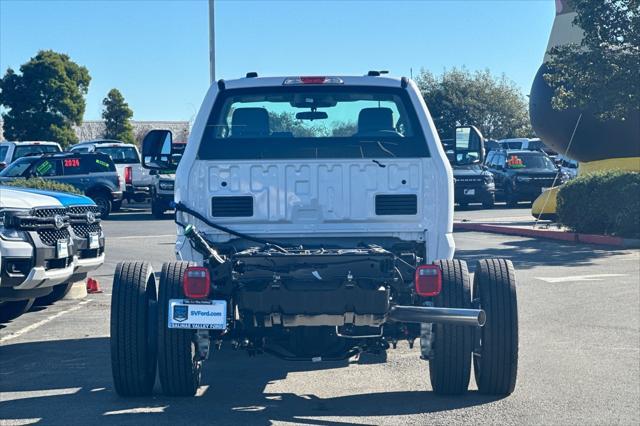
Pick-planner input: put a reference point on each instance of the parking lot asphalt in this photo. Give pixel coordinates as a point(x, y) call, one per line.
point(579, 312)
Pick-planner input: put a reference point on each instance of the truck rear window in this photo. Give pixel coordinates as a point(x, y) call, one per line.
point(120, 154)
point(312, 122)
point(24, 150)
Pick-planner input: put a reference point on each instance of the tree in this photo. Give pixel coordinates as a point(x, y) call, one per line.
point(116, 115)
point(458, 97)
point(45, 100)
point(601, 73)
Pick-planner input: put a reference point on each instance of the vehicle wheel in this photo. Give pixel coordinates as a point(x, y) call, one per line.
point(13, 309)
point(178, 367)
point(510, 198)
point(103, 202)
point(489, 203)
point(133, 329)
point(59, 291)
point(496, 364)
point(116, 206)
point(450, 361)
point(157, 209)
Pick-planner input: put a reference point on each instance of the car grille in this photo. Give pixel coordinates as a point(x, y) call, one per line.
point(83, 230)
point(50, 236)
point(232, 206)
point(42, 218)
point(79, 223)
point(401, 204)
point(49, 212)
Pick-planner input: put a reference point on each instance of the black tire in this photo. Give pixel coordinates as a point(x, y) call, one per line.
point(510, 198)
point(59, 291)
point(496, 365)
point(13, 309)
point(133, 332)
point(178, 368)
point(450, 364)
point(103, 201)
point(489, 203)
point(157, 209)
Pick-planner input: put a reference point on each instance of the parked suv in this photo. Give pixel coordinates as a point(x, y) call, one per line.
point(521, 175)
point(48, 240)
point(314, 223)
point(11, 151)
point(126, 157)
point(472, 182)
point(93, 174)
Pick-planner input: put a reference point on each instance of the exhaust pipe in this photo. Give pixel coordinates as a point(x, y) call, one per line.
point(422, 314)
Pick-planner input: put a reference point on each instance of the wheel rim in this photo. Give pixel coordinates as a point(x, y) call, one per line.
point(102, 205)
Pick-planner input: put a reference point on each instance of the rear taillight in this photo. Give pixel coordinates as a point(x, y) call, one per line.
point(428, 280)
point(127, 175)
point(196, 283)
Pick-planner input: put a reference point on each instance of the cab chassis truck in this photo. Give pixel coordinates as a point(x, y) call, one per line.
point(312, 247)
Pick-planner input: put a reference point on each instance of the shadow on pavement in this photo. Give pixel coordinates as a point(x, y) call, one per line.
point(69, 382)
point(528, 253)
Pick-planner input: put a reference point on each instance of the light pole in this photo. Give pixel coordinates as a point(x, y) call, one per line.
point(212, 44)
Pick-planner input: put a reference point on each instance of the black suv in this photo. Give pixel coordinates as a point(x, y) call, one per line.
point(94, 174)
point(522, 175)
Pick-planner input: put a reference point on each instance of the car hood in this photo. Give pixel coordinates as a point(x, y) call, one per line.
point(29, 198)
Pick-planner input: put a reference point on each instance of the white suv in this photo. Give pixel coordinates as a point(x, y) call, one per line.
point(314, 222)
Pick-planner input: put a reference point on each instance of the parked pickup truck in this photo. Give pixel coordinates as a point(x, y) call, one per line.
point(314, 238)
point(93, 174)
point(48, 240)
point(11, 151)
point(137, 180)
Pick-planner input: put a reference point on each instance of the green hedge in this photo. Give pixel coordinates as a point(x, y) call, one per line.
point(602, 203)
point(39, 183)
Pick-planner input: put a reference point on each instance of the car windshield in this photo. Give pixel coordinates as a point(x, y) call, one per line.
point(120, 154)
point(529, 161)
point(24, 150)
point(18, 167)
point(313, 122)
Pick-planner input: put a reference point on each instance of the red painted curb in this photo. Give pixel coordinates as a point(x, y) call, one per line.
point(540, 233)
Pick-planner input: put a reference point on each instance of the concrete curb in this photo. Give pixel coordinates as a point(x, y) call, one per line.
point(573, 237)
point(78, 291)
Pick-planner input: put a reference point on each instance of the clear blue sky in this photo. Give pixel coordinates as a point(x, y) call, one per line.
point(156, 52)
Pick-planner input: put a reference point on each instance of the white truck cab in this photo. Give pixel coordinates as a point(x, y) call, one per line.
point(314, 223)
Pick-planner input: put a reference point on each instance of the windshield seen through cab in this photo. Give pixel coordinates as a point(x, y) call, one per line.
point(313, 122)
point(120, 154)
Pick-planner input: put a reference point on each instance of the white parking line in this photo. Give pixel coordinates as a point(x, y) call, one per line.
point(595, 277)
point(32, 327)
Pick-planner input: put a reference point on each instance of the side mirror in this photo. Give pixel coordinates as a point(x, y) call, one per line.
point(469, 140)
point(3, 165)
point(157, 147)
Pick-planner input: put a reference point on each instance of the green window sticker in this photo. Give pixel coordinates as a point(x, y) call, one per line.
point(44, 167)
point(103, 163)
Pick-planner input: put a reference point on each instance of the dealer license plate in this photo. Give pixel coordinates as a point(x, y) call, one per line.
point(62, 249)
point(94, 240)
point(469, 192)
point(197, 314)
